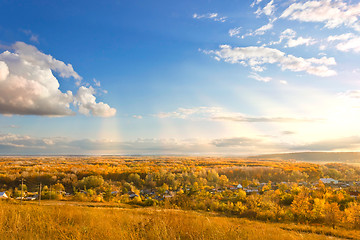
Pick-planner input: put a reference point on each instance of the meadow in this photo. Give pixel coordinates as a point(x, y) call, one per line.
point(30, 221)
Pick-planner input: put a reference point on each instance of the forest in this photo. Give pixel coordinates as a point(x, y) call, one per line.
point(263, 190)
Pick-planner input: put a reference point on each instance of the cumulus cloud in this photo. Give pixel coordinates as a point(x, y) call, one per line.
point(213, 16)
point(220, 114)
point(31, 54)
point(347, 42)
point(257, 57)
point(86, 101)
point(333, 13)
point(28, 86)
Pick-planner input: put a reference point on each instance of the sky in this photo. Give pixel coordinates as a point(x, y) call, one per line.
point(204, 77)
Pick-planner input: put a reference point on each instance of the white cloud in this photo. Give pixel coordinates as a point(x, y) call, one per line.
point(257, 57)
point(290, 35)
point(260, 31)
point(348, 42)
point(268, 10)
point(220, 114)
point(355, 94)
point(342, 37)
point(33, 37)
point(239, 145)
point(33, 55)
point(212, 16)
point(4, 71)
point(28, 86)
point(86, 101)
point(263, 29)
point(333, 13)
point(234, 31)
point(19, 145)
point(300, 41)
point(137, 116)
point(256, 2)
point(259, 78)
point(283, 82)
point(97, 83)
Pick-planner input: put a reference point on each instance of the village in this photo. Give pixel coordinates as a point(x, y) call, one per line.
point(57, 192)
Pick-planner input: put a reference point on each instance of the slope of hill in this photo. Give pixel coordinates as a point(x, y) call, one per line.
point(343, 157)
point(30, 221)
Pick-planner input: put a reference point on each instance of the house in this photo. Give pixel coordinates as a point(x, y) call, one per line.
point(32, 198)
point(329, 181)
point(239, 186)
point(3, 195)
point(169, 194)
point(251, 191)
point(232, 187)
point(132, 194)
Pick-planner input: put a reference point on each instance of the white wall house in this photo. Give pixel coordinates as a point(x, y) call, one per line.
point(329, 181)
point(3, 195)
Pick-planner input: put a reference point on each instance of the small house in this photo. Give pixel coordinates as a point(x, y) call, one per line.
point(329, 181)
point(3, 195)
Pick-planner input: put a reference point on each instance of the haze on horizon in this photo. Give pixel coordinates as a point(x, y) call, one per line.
point(188, 77)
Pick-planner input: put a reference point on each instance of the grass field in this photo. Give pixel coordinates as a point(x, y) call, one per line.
point(30, 221)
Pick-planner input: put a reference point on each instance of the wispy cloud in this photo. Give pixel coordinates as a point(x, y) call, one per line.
point(21, 144)
point(32, 36)
point(292, 41)
point(137, 116)
point(268, 10)
point(234, 31)
point(260, 31)
point(259, 78)
point(220, 114)
point(333, 13)
point(347, 42)
point(212, 16)
point(339, 144)
point(257, 57)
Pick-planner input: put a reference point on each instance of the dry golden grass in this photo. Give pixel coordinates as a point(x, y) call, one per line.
point(30, 221)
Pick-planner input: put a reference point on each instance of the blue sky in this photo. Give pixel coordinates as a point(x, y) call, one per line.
point(179, 77)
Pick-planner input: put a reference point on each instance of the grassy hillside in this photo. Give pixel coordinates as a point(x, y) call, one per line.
point(31, 221)
point(345, 157)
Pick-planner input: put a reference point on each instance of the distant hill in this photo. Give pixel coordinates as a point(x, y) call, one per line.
point(350, 157)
